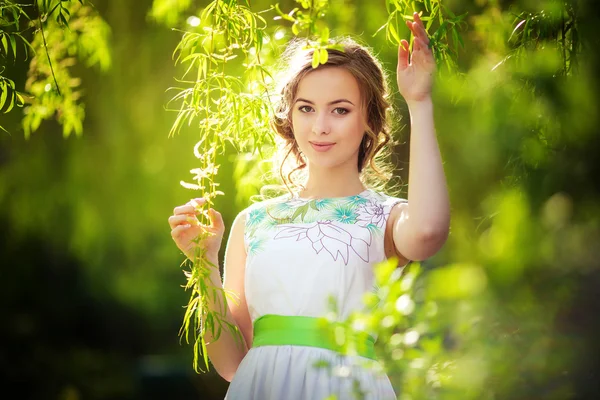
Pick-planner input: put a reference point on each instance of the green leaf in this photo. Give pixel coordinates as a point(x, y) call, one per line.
point(324, 56)
point(379, 30)
point(204, 352)
point(315, 58)
point(455, 37)
point(441, 31)
point(460, 18)
point(4, 42)
point(53, 8)
point(61, 19)
point(13, 43)
point(16, 17)
point(394, 33)
point(27, 44)
point(428, 24)
point(448, 11)
point(259, 40)
point(3, 93)
point(11, 103)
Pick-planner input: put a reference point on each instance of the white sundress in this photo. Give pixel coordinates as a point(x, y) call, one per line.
point(300, 252)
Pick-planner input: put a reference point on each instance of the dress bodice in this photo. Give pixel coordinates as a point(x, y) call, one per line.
point(312, 256)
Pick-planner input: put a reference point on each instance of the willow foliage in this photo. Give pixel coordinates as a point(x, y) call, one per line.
point(76, 33)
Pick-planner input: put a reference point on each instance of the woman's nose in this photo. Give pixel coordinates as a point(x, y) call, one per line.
point(321, 125)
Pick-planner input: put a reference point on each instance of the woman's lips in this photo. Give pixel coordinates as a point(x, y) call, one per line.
point(321, 146)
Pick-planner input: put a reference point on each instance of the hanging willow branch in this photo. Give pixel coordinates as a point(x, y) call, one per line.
point(227, 108)
point(225, 112)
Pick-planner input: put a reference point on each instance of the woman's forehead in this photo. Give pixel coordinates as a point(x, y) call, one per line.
point(326, 84)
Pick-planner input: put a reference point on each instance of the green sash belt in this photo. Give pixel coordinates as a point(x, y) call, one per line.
point(281, 330)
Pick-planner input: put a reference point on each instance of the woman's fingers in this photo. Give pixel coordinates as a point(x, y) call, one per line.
point(422, 55)
point(188, 232)
point(181, 219)
point(187, 213)
point(417, 19)
point(417, 28)
point(418, 31)
point(197, 202)
point(424, 49)
point(422, 33)
point(417, 45)
point(216, 220)
point(178, 230)
point(191, 207)
point(403, 55)
point(186, 209)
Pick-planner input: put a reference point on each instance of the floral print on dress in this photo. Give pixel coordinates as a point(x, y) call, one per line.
point(329, 236)
point(344, 214)
point(255, 245)
point(342, 226)
point(372, 213)
point(255, 217)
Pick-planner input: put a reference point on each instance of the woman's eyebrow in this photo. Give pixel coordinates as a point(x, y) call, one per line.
point(329, 104)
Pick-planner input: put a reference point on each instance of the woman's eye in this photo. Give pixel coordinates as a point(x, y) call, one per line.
point(341, 111)
point(304, 108)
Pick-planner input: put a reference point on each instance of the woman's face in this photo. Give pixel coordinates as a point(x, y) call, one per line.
point(328, 119)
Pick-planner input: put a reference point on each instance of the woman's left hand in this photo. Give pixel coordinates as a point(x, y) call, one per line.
point(415, 71)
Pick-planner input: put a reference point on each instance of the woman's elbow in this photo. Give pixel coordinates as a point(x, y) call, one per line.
point(227, 367)
point(228, 377)
point(433, 237)
point(425, 243)
point(227, 373)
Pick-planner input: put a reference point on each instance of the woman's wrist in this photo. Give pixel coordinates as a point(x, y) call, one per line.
point(207, 257)
point(421, 111)
point(213, 259)
point(424, 102)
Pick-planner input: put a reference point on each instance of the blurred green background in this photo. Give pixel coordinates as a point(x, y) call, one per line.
point(90, 282)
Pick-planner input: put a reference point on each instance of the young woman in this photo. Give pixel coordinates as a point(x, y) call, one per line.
point(287, 257)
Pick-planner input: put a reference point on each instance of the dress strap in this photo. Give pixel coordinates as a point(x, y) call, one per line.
point(282, 330)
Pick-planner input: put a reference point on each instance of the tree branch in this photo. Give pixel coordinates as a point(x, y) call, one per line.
point(46, 48)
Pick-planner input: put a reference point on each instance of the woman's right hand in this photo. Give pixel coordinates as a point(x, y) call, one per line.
point(185, 229)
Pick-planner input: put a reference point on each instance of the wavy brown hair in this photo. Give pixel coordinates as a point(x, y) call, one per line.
point(373, 157)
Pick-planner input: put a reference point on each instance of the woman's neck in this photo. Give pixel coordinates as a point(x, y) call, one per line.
point(328, 183)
